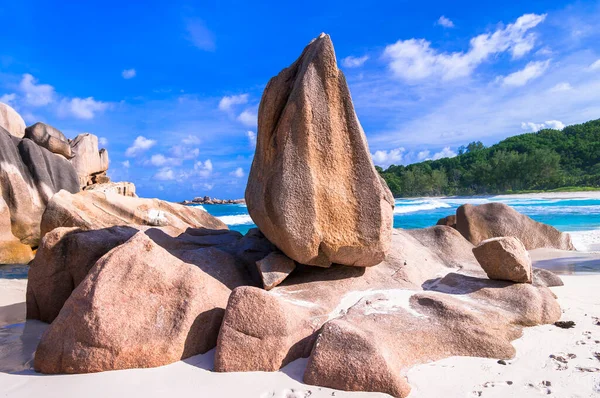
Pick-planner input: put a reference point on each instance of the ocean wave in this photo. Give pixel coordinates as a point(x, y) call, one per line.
point(238, 219)
point(423, 205)
point(198, 207)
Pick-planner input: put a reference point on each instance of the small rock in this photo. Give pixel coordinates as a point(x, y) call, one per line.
point(504, 258)
point(502, 362)
point(564, 324)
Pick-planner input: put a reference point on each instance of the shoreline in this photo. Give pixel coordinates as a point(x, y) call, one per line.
point(536, 195)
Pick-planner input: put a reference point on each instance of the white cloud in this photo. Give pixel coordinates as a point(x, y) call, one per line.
point(161, 160)
point(183, 152)
point(126, 164)
point(200, 36)
point(444, 153)
point(82, 108)
point(165, 174)
point(36, 94)
point(423, 155)
point(531, 71)
point(8, 98)
point(387, 158)
point(128, 73)
point(445, 22)
point(103, 141)
point(414, 59)
point(140, 145)
point(238, 173)
point(595, 65)
point(228, 102)
point(549, 124)
point(564, 86)
point(203, 169)
point(248, 118)
point(354, 62)
point(251, 138)
point(191, 140)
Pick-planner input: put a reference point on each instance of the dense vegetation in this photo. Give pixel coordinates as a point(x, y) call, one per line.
point(546, 160)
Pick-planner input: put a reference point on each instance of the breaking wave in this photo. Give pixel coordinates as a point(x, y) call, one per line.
point(419, 205)
point(238, 219)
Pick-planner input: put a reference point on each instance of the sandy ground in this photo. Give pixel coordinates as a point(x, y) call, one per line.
point(550, 360)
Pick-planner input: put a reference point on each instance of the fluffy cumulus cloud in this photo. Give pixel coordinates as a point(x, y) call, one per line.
point(102, 141)
point(128, 73)
point(238, 173)
point(444, 153)
point(36, 94)
point(248, 118)
point(140, 145)
point(387, 158)
point(81, 108)
point(415, 59)
point(8, 98)
point(191, 140)
point(161, 160)
point(203, 169)
point(549, 124)
point(226, 104)
point(445, 22)
point(532, 70)
point(165, 174)
point(251, 138)
point(354, 62)
point(199, 35)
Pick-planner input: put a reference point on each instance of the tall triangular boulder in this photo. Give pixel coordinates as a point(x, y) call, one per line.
point(313, 189)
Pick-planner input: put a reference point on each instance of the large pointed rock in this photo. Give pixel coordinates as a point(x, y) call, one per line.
point(313, 189)
point(11, 121)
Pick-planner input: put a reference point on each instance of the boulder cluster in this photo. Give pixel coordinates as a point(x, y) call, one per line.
point(36, 162)
point(207, 200)
point(134, 283)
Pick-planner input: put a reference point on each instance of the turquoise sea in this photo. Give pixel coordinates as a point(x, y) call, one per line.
point(577, 214)
point(572, 214)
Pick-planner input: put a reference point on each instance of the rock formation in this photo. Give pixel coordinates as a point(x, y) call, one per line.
point(90, 163)
point(274, 268)
point(313, 190)
point(95, 210)
point(121, 188)
point(131, 283)
point(50, 138)
point(493, 220)
point(11, 121)
point(450, 221)
point(138, 307)
point(12, 251)
point(29, 177)
point(505, 259)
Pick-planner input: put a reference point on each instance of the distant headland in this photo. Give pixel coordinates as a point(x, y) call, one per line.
point(207, 200)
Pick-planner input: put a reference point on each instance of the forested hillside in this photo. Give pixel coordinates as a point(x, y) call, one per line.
point(548, 159)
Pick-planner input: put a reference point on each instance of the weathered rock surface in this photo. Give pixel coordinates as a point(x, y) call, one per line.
point(493, 220)
point(361, 350)
point(12, 251)
point(29, 177)
point(89, 162)
point(50, 138)
point(95, 210)
point(274, 268)
point(313, 190)
point(449, 221)
point(121, 188)
point(504, 258)
point(543, 277)
point(11, 121)
point(357, 315)
point(138, 307)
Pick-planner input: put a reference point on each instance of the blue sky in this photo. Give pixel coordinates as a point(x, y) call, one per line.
point(173, 89)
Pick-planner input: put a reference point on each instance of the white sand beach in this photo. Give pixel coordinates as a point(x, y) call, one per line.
point(549, 360)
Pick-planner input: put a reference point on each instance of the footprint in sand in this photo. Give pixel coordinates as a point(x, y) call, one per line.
point(543, 387)
point(561, 360)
